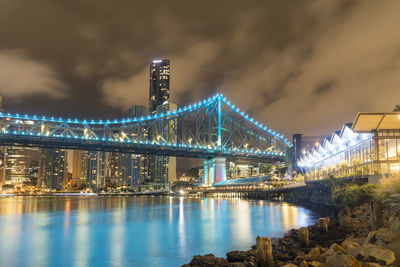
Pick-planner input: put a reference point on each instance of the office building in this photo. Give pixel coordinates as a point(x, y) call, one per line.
point(96, 169)
point(163, 169)
point(20, 165)
point(54, 166)
point(159, 83)
point(79, 164)
point(138, 169)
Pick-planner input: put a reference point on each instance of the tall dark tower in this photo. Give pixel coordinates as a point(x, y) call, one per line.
point(159, 83)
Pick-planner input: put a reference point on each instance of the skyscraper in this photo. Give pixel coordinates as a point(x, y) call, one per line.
point(96, 169)
point(79, 164)
point(134, 167)
point(162, 168)
point(54, 168)
point(159, 83)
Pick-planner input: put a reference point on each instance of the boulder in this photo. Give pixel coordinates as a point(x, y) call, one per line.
point(337, 248)
point(371, 264)
point(329, 252)
point(382, 236)
point(304, 264)
point(369, 252)
point(395, 247)
point(289, 265)
point(315, 264)
point(359, 240)
point(236, 264)
point(342, 260)
point(351, 247)
point(208, 260)
point(238, 256)
point(314, 253)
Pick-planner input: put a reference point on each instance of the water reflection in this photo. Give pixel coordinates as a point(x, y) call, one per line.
point(135, 231)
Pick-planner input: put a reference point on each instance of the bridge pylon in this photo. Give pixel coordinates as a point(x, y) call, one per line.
point(214, 171)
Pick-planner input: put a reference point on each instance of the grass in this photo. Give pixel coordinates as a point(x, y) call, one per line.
point(352, 195)
point(388, 192)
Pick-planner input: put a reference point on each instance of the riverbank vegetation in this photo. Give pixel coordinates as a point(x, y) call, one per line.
point(386, 192)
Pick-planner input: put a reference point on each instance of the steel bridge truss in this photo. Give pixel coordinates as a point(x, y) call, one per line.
point(210, 128)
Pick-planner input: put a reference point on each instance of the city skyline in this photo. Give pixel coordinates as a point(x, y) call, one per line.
point(298, 64)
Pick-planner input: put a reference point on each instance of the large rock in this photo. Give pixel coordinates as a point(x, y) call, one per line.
point(369, 252)
point(382, 236)
point(289, 265)
point(208, 260)
point(359, 240)
point(315, 264)
point(371, 264)
point(342, 260)
point(395, 247)
point(351, 247)
point(329, 252)
point(313, 253)
point(337, 247)
point(236, 264)
point(239, 256)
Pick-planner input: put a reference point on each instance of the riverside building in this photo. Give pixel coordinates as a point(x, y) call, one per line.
point(368, 146)
point(161, 169)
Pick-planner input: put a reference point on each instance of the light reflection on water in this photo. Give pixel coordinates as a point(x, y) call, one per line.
point(135, 231)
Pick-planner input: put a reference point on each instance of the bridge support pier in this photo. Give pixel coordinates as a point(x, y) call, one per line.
point(214, 171)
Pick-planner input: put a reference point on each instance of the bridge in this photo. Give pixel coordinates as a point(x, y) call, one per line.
point(213, 129)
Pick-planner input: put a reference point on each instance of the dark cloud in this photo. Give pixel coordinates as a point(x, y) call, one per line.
point(324, 87)
point(297, 66)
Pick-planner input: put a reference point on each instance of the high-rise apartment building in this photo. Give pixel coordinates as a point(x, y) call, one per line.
point(159, 83)
point(96, 169)
point(79, 164)
point(135, 168)
point(54, 166)
point(162, 168)
point(20, 164)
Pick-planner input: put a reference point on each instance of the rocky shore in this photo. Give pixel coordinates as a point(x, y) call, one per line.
point(348, 240)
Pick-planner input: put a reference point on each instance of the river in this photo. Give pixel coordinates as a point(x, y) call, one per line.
point(135, 231)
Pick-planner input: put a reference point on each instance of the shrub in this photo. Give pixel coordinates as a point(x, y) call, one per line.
point(333, 182)
point(388, 192)
point(352, 195)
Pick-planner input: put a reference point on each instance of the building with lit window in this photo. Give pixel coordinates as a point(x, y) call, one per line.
point(54, 168)
point(159, 83)
point(96, 169)
point(162, 169)
point(138, 170)
point(20, 164)
point(370, 145)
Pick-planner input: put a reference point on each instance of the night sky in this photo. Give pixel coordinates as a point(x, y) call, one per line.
point(297, 66)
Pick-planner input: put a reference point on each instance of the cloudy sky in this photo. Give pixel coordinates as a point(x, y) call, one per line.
point(297, 66)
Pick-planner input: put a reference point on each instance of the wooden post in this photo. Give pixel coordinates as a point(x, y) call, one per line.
point(303, 236)
point(345, 217)
point(323, 225)
point(376, 215)
point(264, 256)
point(328, 219)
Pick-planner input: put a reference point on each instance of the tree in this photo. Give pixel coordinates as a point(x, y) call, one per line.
point(192, 172)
